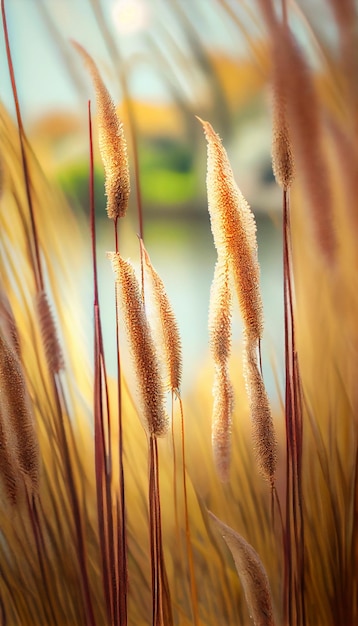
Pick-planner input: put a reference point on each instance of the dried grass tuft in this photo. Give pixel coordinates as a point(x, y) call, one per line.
point(252, 575)
point(112, 143)
point(145, 359)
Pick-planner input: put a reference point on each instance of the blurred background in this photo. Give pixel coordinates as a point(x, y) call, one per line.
point(173, 60)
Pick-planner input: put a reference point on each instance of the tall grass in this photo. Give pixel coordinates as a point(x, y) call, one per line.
point(110, 519)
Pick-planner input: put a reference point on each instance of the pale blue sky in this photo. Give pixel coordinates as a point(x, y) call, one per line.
point(42, 78)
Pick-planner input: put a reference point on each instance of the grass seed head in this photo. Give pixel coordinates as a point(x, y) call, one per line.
point(234, 231)
point(221, 422)
point(145, 359)
point(263, 429)
point(17, 422)
point(168, 336)
point(53, 352)
point(252, 575)
point(112, 143)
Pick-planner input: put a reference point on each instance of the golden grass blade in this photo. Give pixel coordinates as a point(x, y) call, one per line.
point(234, 231)
point(17, 411)
point(146, 364)
point(168, 333)
point(112, 143)
point(251, 573)
point(263, 429)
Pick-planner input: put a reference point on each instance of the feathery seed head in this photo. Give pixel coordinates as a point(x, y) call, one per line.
point(221, 421)
point(53, 352)
point(263, 429)
point(282, 156)
point(252, 575)
point(112, 143)
point(220, 313)
point(17, 422)
point(234, 232)
point(167, 337)
point(145, 359)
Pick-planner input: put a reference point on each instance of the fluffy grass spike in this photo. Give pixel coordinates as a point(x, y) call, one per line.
point(19, 429)
point(168, 334)
point(263, 429)
point(221, 422)
point(282, 156)
point(112, 143)
point(252, 575)
point(145, 359)
point(234, 231)
point(53, 352)
point(220, 345)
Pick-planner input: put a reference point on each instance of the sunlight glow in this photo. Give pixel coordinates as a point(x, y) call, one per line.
point(130, 16)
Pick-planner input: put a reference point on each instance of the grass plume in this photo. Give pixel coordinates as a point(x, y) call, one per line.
point(145, 359)
point(112, 143)
point(234, 229)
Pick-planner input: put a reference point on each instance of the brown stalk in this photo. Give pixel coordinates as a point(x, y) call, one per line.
point(168, 337)
point(152, 414)
point(112, 143)
point(161, 606)
point(294, 558)
point(115, 592)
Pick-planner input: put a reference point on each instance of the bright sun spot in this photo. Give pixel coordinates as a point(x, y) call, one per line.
point(130, 16)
